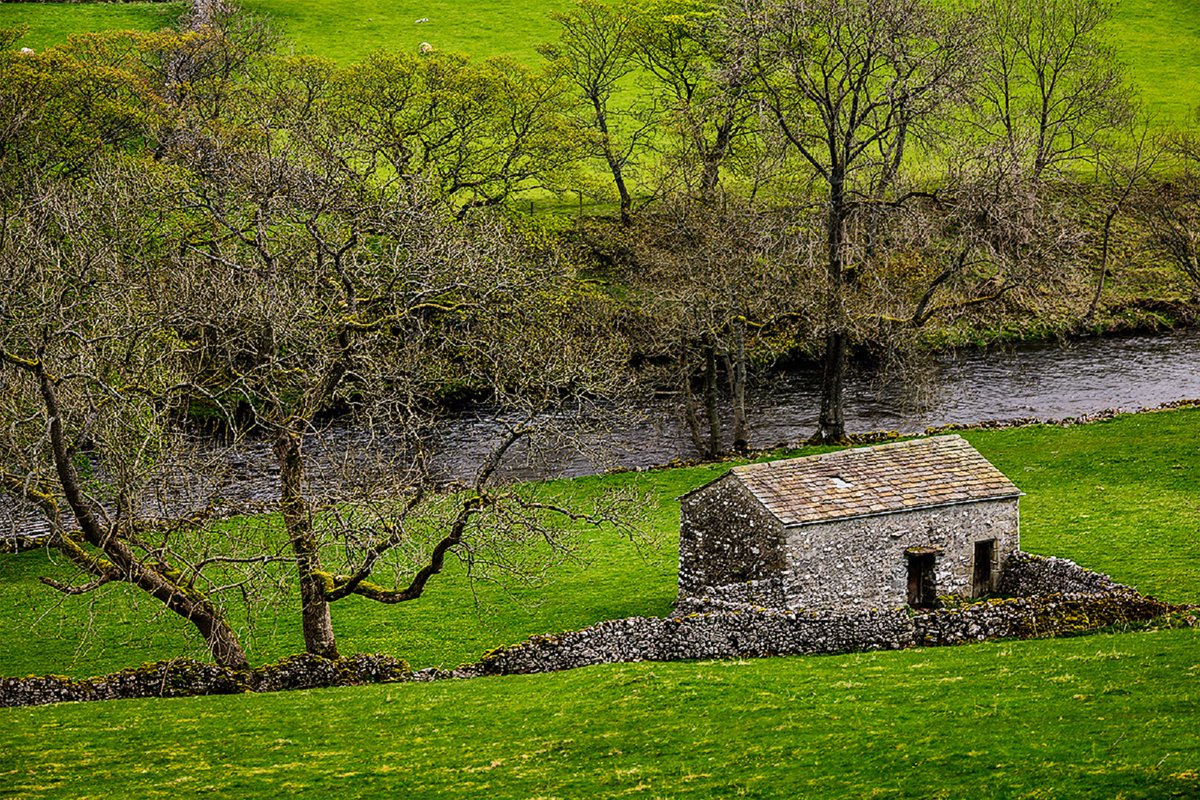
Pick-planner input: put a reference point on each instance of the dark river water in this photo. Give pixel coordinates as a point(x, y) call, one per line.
point(1040, 381)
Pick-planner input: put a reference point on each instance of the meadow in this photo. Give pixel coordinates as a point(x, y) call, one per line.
point(1098, 716)
point(51, 23)
point(1159, 40)
point(1106, 715)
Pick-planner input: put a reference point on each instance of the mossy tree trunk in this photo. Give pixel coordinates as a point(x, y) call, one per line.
point(297, 519)
point(101, 549)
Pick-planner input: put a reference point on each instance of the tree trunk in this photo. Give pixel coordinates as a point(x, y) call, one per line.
point(125, 565)
point(711, 408)
point(691, 413)
point(1106, 237)
point(297, 517)
point(737, 390)
point(831, 425)
point(615, 166)
point(710, 176)
point(622, 190)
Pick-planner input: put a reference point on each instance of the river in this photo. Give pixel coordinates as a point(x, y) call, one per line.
point(1041, 380)
point(1045, 381)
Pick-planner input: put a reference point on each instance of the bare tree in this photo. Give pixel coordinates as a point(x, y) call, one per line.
point(851, 85)
point(1169, 211)
point(1052, 86)
point(263, 270)
point(596, 54)
point(87, 365)
point(704, 75)
point(1124, 169)
point(985, 236)
point(88, 370)
point(200, 72)
point(312, 282)
point(716, 277)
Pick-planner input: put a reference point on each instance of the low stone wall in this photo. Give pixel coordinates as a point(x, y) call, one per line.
point(1033, 617)
point(1027, 575)
point(1057, 597)
point(757, 633)
point(722, 634)
point(188, 678)
point(1061, 422)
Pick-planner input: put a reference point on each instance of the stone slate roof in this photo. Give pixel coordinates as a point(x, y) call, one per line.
point(921, 473)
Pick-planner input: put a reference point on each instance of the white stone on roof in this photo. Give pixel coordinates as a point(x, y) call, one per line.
point(920, 473)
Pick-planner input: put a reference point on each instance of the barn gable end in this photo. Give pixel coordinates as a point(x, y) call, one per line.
point(727, 537)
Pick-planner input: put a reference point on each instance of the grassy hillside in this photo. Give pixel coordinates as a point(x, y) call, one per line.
point(1099, 716)
point(52, 23)
point(347, 30)
point(1158, 39)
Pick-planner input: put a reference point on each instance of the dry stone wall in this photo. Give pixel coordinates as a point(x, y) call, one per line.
point(1033, 617)
point(1064, 599)
point(722, 634)
point(1027, 574)
point(733, 622)
point(188, 678)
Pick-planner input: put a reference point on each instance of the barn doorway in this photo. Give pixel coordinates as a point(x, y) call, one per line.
point(984, 574)
point(922, 591)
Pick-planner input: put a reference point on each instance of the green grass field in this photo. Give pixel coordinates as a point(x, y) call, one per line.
point(1110, 715)
point(1158, 39)
point(52, 23)
point(347, 30)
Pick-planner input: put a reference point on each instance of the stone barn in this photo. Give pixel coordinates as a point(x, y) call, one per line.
point(875, 527)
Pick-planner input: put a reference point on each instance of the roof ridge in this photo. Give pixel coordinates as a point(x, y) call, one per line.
point(897, 476)
point(872, 448)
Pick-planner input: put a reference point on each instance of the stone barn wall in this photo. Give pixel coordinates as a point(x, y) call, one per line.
point(861, 562)
point(725, 537)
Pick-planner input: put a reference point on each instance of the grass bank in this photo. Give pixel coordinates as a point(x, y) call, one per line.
point(1097, 716)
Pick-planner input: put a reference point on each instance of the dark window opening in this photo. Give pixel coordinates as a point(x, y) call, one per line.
point(922, 592)
point(985, 554)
